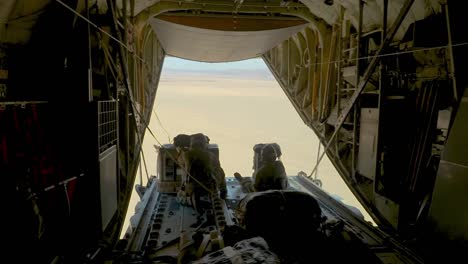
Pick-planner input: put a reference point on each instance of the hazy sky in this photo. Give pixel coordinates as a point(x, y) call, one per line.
point(237, 105)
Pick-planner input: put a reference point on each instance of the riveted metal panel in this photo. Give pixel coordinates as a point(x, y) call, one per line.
point(108, 184)
point(368, 142)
